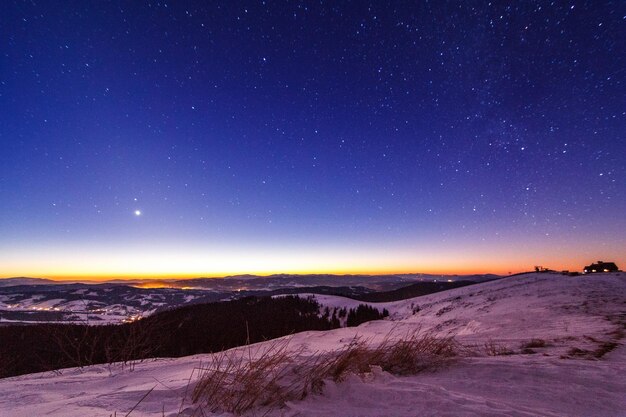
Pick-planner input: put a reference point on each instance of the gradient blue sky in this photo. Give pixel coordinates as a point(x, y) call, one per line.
point(310, 137)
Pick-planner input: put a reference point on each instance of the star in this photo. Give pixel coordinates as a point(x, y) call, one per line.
point(137, 213)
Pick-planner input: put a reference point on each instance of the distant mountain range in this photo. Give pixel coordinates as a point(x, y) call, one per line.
point(26, 300)
point(9, 282)
point(377, 282)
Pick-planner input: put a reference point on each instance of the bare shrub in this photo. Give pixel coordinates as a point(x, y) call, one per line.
point(7, 364)
point(492, 348)
point(134, 343)
point(75, 345)
point(534, 343)
point(601, 349)
point(270, 377)
point(530, 346)
point(604, 348)
point(577, 352)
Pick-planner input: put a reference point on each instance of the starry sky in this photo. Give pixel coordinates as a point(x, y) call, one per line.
point(207, 138)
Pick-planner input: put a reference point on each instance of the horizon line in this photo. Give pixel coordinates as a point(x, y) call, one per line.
point(163, 277)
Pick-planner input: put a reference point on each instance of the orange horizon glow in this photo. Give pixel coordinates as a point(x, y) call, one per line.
point(170, 261)
point(156, 276)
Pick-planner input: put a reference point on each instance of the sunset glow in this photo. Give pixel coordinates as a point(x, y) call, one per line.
point(174, 262)
point(164, 140)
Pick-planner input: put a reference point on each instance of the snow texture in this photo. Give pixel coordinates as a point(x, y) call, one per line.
point(567, 376)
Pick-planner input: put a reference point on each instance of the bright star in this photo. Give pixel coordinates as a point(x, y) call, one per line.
point(137, 212)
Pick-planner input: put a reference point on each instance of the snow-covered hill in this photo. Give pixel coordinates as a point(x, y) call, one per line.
point(560, 341)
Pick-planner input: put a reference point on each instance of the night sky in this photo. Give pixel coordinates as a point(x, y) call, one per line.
point(210, 138)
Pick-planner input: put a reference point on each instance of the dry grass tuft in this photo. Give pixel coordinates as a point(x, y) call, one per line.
point(233, 383)
point(493, 348)
point(271, 376)
point(534, 343)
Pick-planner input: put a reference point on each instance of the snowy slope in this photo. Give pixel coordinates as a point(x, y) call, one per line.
point(574, 317)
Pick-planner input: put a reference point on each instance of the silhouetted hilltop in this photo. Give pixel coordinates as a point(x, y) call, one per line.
point(410, 291)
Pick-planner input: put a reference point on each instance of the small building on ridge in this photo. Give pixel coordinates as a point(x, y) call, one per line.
point(600, 266)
